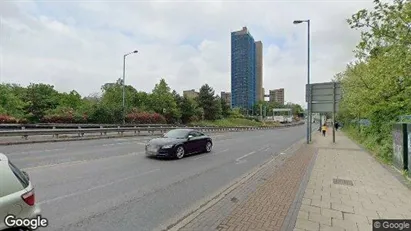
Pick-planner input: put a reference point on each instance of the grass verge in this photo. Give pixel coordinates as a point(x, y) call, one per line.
point(370, 144)
point(377, 151)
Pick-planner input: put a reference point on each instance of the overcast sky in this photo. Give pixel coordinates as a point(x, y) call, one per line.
point(80, 44)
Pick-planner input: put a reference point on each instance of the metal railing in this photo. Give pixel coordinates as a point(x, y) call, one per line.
point(75, 126)
point(55, 132)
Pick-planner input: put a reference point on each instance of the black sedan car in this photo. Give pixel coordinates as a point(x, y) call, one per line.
point(178, 143)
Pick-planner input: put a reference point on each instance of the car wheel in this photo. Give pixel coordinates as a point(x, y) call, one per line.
point(180, 152)
point(208, 146)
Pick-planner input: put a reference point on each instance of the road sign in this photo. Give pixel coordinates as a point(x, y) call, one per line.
point(323, 92)
point(323, 107)
point(323, 98)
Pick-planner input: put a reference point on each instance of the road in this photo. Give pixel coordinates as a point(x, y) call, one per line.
point(111, 185)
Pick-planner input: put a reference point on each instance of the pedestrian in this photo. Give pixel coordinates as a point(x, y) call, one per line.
point(336, 125)
point(324, 129)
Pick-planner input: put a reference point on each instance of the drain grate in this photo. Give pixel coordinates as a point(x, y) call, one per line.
point(343, 182)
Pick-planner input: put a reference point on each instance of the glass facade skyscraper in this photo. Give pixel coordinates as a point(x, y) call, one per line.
point(243, 70)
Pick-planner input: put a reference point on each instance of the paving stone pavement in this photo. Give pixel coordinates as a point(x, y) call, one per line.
point(261, 203)
point(375, 193)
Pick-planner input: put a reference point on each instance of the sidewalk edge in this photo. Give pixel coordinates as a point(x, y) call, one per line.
point(200, 207)
point(291, 218)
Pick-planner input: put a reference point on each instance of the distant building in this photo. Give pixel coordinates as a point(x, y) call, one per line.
point(263, 91)
point(243, 69)
point(277, 95)
point(259, 70)
point(226, 96)
point(190, 94)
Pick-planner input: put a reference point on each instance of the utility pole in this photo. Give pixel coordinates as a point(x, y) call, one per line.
point(124, 85)
point(309, 121)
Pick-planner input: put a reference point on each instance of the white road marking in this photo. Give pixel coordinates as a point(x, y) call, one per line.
point(248, 154)
point(122, 143)
point(211, 154)
point(240, 162)
point(283, 153)
point(80, 161)
point(38, 151)
point(97, 187)
point(240, 159)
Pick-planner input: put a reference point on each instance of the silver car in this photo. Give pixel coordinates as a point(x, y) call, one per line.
point(16, 193)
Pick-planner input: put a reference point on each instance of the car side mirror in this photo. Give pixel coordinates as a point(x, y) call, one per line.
point(26, 175)
point(189, 136)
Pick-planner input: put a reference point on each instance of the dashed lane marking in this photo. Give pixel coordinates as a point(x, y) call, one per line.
point(97, 187)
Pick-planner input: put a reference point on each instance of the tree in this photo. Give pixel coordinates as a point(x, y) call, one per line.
point(162, 101)
point(209, 103)
point(40, 98)
point(386, 27)
point(10, 103)
point(218, 108)
point(71, 100)
point(377, 85)
point(177, 97)
point(296, 109)
point(113, 95)
point(188, 110)
point(141, 101)
point(225, 108)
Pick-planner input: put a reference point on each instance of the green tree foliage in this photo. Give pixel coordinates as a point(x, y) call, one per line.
point(225, 108)
point(163, 102)
point(40, 98)
point(42, 103)
point(189, 110)
point(296, 109)
point(10, 103)
point(210, 104)
point(71, 100)
point(377, 86)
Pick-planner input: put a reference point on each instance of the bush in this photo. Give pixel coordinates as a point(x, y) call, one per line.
point(5, 119)
point(64, 119)
point(23, 121)
point(64, 115)
point(145, 118)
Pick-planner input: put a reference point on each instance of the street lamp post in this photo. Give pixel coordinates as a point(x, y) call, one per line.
point(124, 84)
point(308, 77)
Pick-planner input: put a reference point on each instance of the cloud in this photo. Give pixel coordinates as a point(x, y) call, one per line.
point(80, 45)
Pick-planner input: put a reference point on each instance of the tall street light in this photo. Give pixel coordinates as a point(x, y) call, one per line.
point(308, 77)
point(124, 84)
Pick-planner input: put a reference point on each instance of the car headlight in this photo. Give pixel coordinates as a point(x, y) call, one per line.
point(167, 146)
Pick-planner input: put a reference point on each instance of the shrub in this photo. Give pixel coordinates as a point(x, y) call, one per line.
point(5, 119)
point(23, 121)
point(145, 118)
point(68, 118)
point(64, 115)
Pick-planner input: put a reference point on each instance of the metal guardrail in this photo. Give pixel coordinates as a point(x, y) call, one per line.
point(75, 126)
point(24, 133)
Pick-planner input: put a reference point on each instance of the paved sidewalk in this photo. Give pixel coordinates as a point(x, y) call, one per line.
point(262, 202)
point(321, 186)
point(365, 191)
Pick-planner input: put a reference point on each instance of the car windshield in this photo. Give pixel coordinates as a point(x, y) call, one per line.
point(177, 133)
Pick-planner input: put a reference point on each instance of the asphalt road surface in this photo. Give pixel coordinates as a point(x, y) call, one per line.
point(111, 185)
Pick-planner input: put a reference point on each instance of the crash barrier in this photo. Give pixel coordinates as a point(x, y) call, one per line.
point(74, 126)
point(56, 132)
